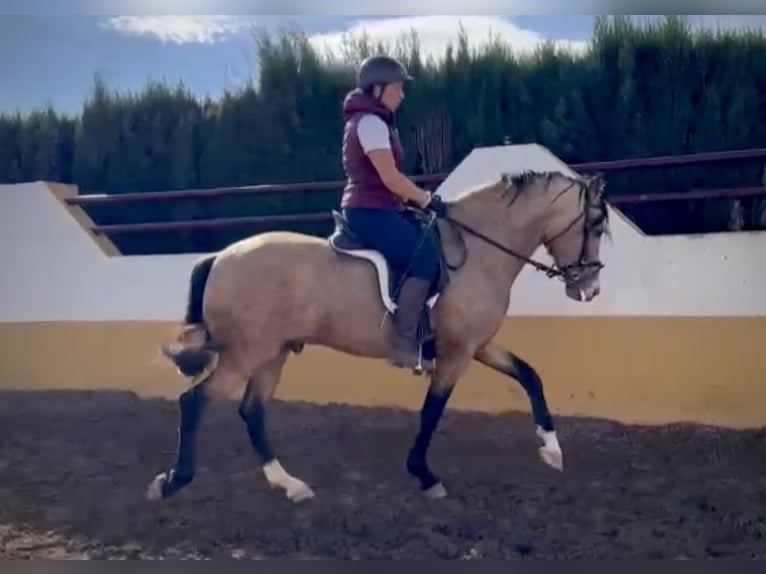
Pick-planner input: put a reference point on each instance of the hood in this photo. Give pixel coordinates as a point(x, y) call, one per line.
point(358, 101)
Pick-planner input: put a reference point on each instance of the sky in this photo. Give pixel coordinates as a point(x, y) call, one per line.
point(52, 60)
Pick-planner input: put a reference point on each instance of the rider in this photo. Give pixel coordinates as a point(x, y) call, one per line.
point(376, 191)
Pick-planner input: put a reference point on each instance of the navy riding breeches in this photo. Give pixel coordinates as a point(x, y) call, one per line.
point(399, 240)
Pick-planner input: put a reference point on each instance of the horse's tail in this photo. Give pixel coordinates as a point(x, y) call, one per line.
point(199, 274)
point(193, 352)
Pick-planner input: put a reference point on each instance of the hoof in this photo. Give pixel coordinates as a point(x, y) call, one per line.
point(550, 452)
point(298, 491)
point(552, 457)
point(436, 492)
point(155, 490)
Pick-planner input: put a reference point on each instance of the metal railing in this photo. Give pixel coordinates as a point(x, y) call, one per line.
point(425, 180)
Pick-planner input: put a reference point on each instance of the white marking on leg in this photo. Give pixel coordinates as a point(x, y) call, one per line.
point(436, 491)
point(550, 452)
point(154, 492)
point(295, 489)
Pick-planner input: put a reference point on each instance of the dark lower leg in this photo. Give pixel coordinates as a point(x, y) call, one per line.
point(430, 414)
point(253, 414)
point(252, 408)
point(513, 366)
point(533, 385)
point(191, 405)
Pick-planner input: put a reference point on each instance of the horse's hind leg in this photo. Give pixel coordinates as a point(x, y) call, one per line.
point(252, 409)
point(191, 403)
point(513, 366)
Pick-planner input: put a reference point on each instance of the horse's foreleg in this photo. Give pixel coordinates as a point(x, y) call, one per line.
point(252, 409)
point(448, 371)
point(509, 364)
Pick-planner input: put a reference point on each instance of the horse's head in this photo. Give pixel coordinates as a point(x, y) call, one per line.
point(526, 209)
point(576, 220)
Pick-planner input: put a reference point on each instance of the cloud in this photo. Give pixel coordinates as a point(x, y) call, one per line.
point(435, 33)
point(181, 29)
point(723, 22)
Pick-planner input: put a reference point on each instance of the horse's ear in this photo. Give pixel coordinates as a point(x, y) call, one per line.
point(596, 185)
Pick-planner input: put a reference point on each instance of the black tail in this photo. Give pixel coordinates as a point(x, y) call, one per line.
point(199, 275)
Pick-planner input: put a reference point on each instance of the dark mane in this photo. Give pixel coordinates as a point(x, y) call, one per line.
point(511, 185)
point(523, 178)
point(517, 183)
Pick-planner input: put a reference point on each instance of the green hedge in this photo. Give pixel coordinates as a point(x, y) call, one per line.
point(639, 90)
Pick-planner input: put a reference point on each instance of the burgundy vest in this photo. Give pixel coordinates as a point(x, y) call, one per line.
point(364, 187)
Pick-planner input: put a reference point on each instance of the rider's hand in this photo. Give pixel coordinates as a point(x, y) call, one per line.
point(436, 204)
point(425, 199)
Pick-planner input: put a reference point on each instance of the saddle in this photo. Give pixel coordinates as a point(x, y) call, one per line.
point(390, 277)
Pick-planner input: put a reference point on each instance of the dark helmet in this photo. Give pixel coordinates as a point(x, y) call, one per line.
point(381, 70)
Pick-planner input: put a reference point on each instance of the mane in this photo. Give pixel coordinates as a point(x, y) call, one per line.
point(522, 179)
point(511, 185)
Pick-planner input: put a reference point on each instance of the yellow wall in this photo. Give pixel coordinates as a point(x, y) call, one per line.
point(626, 356)
point(649, 370)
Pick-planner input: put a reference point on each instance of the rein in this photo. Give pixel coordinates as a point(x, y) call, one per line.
point(549, 271)
point(570, 272)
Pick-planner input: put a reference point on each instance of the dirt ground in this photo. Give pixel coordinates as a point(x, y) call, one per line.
point(74, 468)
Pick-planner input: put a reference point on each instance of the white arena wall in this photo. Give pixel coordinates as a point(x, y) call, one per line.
point(676, 335)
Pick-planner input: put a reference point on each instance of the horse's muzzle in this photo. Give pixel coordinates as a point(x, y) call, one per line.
point(583, 293)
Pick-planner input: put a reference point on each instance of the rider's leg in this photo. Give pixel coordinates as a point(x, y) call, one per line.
point(387, 231)
point(404, 245)
point(412, 299)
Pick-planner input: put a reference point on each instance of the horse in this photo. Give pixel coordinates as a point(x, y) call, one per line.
point(263, 298)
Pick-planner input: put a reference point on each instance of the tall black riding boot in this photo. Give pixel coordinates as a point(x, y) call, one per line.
point(404, 346)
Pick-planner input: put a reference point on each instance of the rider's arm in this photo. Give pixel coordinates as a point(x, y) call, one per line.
point(396, 181)
point(374, 138)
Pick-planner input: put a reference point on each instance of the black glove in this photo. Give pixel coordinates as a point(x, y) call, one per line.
point(438, 206)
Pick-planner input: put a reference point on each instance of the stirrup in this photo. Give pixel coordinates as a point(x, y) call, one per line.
point(419, 369)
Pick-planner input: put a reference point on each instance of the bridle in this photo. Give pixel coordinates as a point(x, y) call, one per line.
point(569, 273)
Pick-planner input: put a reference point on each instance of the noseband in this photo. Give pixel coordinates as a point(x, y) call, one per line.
point(574, 271)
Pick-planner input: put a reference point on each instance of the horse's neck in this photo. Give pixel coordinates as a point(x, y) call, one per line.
point(494, 219)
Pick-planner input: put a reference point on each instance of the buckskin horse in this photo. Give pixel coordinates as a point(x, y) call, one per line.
point(261, 299)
